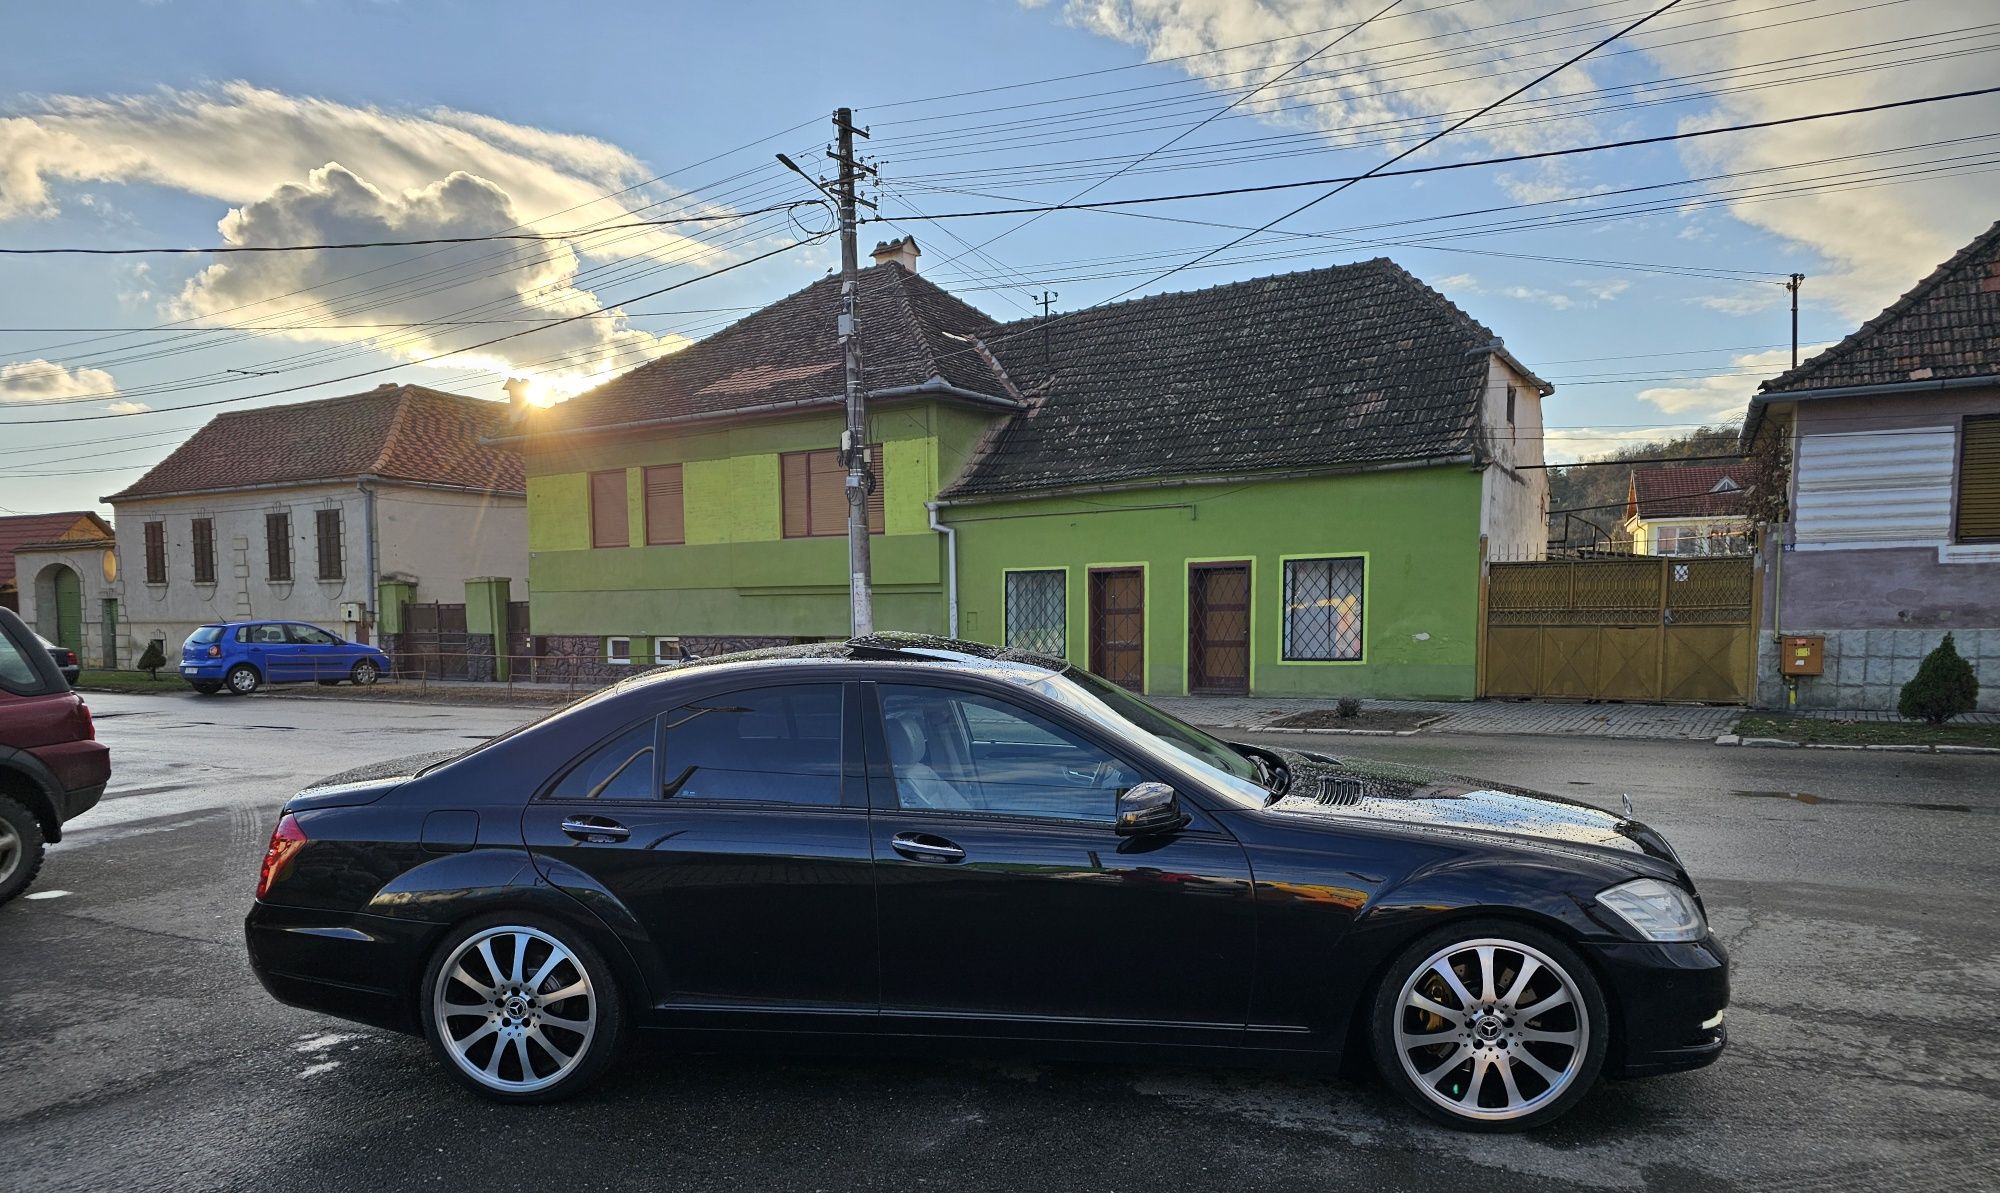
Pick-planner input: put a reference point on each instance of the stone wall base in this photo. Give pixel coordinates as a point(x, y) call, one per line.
point(1865, 670)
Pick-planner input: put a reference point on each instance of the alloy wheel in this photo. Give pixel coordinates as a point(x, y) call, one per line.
point(1491, 1029)
point(515, 1009)
point(11, 851)
point(365, 673)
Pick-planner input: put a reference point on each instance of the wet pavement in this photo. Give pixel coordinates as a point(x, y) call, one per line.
point(136, 1051)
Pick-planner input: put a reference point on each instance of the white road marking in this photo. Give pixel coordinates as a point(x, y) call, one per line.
point(321, 1067)
point(323, 1041)
point(49, 894)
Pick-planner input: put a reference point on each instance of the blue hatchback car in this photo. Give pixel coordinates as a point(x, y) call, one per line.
point(242, 656)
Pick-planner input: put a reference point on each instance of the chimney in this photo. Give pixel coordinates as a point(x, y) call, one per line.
point(903, 251)
point(516, 389)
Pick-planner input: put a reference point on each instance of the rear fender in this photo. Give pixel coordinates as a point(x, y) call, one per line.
point(635, 944)
point(448, 890)
point(24, 778)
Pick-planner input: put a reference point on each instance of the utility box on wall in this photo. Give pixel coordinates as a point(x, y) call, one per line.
point(1802, 654)
point(353, 611)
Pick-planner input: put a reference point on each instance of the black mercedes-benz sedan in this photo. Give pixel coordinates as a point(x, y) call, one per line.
point(920, 839)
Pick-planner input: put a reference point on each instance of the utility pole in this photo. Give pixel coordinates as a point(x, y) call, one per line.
point(853, 440)
point(1047, 300)
point(1793, 285)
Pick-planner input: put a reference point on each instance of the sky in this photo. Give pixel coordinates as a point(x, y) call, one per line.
point(638, 142)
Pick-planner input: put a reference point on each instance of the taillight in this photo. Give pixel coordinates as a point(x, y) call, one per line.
point(215, 652)
point(286, 841)
point(89, 728)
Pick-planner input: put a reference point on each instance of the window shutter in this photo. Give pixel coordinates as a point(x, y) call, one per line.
point(204, 550)
point(797, 499)
point(1979, 481)
point(665, 517)
point(331, 561)
point(829, 494)
point(156, 552)
point(875, 499)
point(278, 545)
point(610, 520)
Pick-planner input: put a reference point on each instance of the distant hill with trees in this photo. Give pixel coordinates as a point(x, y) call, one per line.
point(1595, 489)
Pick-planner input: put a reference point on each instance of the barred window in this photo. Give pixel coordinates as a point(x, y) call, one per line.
point(1323, 609)
point(204, 550)
point(1035, 611)
point(278, 545)
point(156, 552)
point(332, 557)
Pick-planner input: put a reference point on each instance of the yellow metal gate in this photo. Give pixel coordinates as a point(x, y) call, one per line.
point(1637, 628)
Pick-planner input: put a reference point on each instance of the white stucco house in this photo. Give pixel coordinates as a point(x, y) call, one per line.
point(320, 512)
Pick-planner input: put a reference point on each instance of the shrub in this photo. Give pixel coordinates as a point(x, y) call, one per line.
point(1944, 687)
point(1348, 708)
point(154, 659)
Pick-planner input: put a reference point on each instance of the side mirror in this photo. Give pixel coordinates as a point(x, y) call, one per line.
point(1146, 809)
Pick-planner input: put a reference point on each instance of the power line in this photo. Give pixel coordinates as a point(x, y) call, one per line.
point(576, 234)
point(439, 356)
point(1346, 180)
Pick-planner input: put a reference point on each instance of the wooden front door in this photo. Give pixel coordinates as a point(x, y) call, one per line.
point(1118, 626)
point(1219, 628)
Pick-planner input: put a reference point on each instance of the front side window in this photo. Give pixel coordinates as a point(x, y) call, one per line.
point(1035, 611)
point(776, 745)
point(956, 751)
point(332, 555)
point(156, 552)
point(620, 769)
point(204, 550)
point(278, 546)
point(1323, 609)
point(814, 493)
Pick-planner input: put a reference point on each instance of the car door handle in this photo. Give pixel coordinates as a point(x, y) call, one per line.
point(923, 847)
point(595, 828)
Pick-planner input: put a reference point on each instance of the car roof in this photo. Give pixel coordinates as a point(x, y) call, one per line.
point(924, 651)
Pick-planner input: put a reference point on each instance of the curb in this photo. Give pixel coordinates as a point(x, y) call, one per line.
point(1780, 743)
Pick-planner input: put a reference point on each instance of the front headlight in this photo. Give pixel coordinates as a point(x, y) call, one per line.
point(1656, 910)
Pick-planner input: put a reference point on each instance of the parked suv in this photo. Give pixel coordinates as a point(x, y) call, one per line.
point(242, 656)
point(52, 767)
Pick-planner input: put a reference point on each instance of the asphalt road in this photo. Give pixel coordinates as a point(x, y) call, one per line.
point(136, 1051)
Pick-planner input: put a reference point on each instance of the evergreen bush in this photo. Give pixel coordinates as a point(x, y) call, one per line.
point(154, 659)
point(1943, 687)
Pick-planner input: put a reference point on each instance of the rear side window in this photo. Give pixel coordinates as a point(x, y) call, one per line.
point(764, 745)
point(17, 672)
point(621, 769)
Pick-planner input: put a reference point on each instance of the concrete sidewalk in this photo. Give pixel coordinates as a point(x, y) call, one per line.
point(1678, 722)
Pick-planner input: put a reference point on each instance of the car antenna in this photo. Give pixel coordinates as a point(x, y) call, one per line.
point(1627, 797)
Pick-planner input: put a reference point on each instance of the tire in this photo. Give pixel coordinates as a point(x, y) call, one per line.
point(365, 673)
point(206, 689)
point(21, 848)
point(458, 1022)
point(1480, 1073)
point(242, 680)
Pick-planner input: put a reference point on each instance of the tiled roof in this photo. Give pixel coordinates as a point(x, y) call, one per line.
point(1689, 491)
point(28, 529)
point(1947, 326)
point(1346, 366)
point(396, 432)
point(790, 352)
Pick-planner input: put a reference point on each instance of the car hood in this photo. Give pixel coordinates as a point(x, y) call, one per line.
point(365, 784)
point(1420, 798)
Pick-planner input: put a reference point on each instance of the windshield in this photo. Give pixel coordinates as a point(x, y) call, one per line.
point(1109, 704)
point(205, 635)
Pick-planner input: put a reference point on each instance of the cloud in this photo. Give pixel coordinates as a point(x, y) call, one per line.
point(302, 170)
point(1600, 290)
point(1874, 241)
point(123, 406)
point(1723, 396)
point(1746, 301)
point(46, 381)
point(1463, 282)
point(1548, 298)
point(1369, 79)
point(524, 280)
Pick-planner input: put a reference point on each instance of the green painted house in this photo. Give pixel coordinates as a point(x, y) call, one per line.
point(1285, 485)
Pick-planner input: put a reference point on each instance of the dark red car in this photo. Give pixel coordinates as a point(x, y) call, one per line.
point(52, 767)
